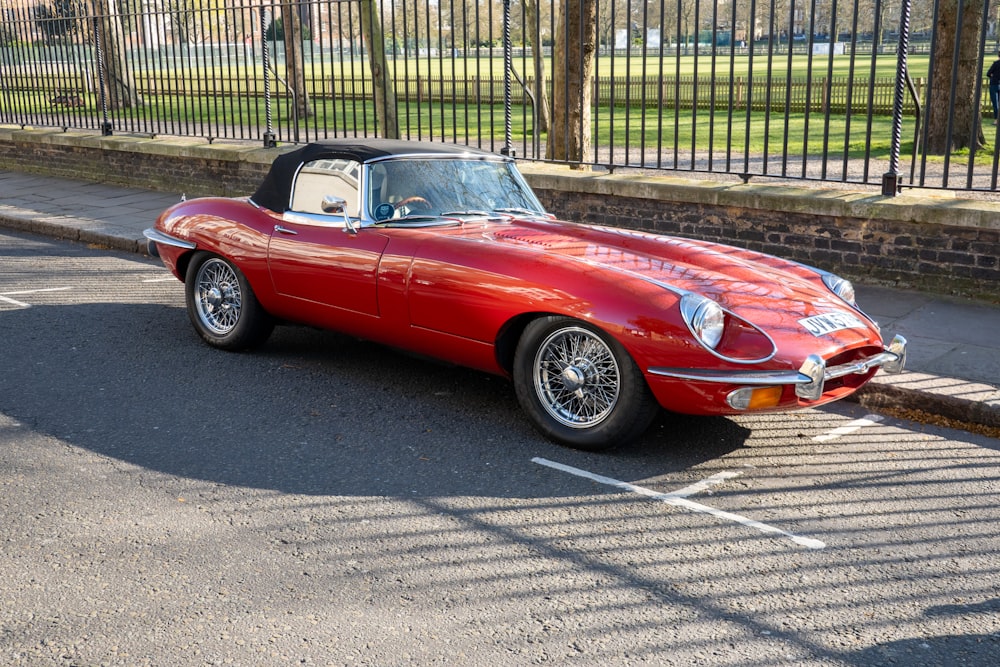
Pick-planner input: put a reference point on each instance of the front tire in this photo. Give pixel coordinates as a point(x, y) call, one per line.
point(579, 386)
point(222, 306)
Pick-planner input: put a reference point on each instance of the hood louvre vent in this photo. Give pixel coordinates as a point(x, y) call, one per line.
point(543, 240)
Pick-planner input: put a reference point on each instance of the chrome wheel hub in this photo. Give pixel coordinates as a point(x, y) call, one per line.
point(574, 378)
point(213, 298)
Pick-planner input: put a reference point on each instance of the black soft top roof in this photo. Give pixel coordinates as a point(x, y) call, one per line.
point(275, 191)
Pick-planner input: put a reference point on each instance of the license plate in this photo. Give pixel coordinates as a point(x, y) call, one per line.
point(820, 325)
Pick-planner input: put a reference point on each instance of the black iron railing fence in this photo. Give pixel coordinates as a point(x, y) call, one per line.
point(700, 94)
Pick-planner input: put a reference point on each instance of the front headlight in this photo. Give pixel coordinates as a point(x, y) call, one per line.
point(841, 287)
point(705, 318)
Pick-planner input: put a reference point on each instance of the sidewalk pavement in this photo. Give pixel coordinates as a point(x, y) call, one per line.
point(953, 357)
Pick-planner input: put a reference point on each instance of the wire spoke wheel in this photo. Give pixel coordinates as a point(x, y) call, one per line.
point(222, 306)
point(219, 299)
point(576, 377)
point(579, 385)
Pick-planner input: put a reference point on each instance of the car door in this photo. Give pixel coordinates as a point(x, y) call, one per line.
point(325, 265)
point(314, 258)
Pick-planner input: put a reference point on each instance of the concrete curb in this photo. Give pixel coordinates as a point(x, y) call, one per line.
point(952, 398)
point(92, 232)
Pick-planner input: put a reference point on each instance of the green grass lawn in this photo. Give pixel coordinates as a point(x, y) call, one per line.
point(836, 135)
point(704, 65)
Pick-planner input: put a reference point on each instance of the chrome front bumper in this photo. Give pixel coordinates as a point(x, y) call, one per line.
point(809, 380)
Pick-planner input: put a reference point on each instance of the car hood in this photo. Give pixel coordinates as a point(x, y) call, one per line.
point(762, 289)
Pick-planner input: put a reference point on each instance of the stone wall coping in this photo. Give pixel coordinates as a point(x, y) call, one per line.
point(912, 205)
point(190, 147)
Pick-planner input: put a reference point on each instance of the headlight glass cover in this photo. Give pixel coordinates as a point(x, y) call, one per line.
point(705, 318)
point(841, 287)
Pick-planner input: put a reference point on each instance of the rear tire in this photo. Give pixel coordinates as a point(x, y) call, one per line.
point(222, 306)
point(579, 386)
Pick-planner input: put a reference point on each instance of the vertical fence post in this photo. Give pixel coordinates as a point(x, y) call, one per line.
point(106, 129)
point(508, 65)
point(890, 180)
point(270, 141)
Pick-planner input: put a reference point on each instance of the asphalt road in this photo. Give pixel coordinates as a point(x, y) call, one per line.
point(328, 501)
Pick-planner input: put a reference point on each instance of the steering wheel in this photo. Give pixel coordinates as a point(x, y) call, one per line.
point(409, 201)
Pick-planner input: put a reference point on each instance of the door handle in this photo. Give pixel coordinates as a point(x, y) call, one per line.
point(285, 230)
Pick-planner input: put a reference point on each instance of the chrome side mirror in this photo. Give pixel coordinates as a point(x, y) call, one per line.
point(332, 205)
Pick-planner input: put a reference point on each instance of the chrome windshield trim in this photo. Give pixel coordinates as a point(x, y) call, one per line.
point(471, 155)
point(159, 237)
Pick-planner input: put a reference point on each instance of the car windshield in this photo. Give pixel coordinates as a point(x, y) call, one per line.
point(429, 186)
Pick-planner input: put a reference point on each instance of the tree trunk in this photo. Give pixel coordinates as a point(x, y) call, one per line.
point(572, 81)
point(291, 22)
point(963, 105)
point(540, 91)
point(385, 92)
point(119, 86)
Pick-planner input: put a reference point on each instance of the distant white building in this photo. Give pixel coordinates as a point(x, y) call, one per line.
point(623, 41)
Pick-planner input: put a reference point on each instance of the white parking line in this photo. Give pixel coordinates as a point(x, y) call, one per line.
point(160, 280)
point(678, 499)
point(12, 302)
point(36, 291)
point(20, 304)
point(856, 425)
point(705, 484)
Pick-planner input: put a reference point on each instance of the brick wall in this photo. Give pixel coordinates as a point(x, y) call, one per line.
point(943, 245)
point(175, 165)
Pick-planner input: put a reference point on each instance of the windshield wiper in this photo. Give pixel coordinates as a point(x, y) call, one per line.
point(476, 213)
point(514, 210)
point(410, 216)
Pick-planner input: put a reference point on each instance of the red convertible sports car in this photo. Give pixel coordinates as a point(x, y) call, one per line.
point(444, 250)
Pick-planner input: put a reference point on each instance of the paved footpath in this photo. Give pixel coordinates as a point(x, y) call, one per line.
point(953, 361)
